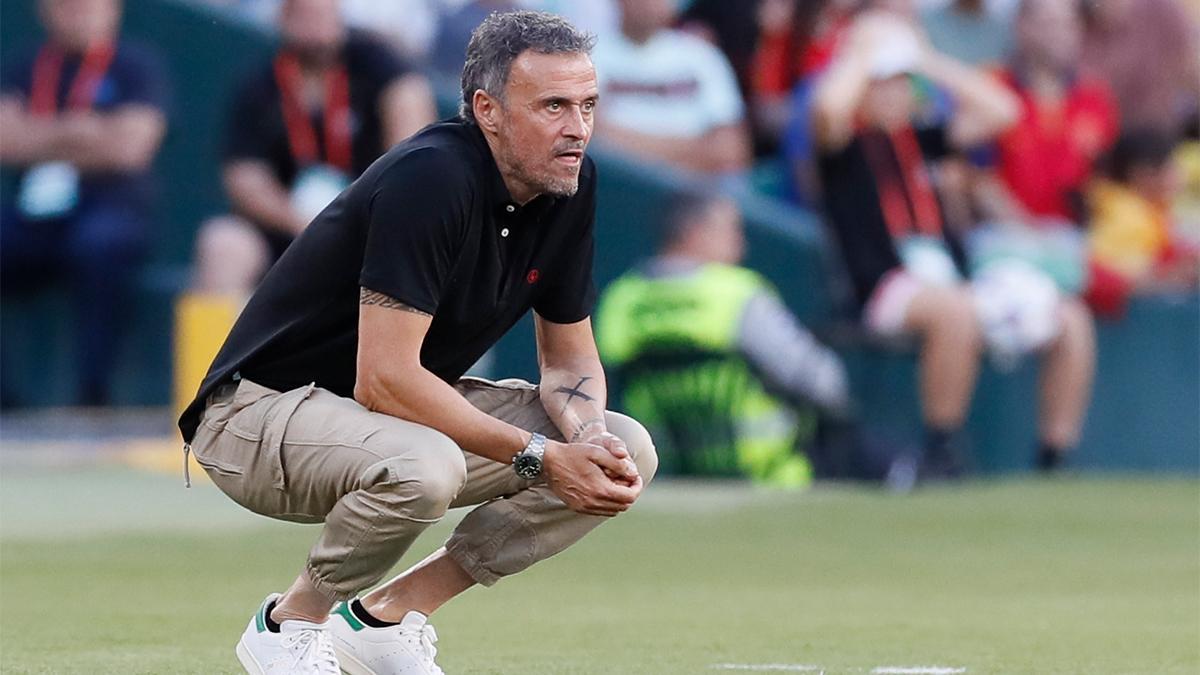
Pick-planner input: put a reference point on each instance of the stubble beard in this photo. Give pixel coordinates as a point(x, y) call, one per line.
point(539, 179)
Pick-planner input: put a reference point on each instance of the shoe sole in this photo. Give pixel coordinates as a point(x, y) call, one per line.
point(247, 659)
point(349, 664)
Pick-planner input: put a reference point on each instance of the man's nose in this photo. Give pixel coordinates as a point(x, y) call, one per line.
point(576, 125)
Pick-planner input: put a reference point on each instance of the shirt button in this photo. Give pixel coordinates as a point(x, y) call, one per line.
point(504, 232)
point(510, 208)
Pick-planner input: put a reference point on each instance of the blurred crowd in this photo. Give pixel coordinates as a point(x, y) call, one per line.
point(993, 173)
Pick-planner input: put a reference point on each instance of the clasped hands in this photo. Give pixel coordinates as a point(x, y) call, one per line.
point(593, 475)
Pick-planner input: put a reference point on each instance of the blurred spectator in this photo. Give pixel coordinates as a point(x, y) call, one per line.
point(880, 176)
point(1132, 241)
point(454, 32)
point(734, 27)
point(710, 357)
point(599, 17)
point(1068, 119)
point(83, 117)
point(301, 129)
point(668, 96)
point(788, 63)
point(968, 30)
point(1147, 51)
point(409, 26)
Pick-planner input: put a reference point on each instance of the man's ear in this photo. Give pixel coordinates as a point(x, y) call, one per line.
point(487, 111)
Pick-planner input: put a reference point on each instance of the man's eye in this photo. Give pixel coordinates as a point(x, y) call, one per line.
point(588, 106)
point(554, 106)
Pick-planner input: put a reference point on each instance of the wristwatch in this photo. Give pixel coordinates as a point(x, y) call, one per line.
point(528, 462)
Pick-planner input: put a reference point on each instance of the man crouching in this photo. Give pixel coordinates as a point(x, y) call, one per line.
point(339, 398)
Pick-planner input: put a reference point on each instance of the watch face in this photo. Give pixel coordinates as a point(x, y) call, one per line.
point(528, 466)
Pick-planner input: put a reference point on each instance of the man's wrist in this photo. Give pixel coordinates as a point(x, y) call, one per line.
point(588, 429)
point(528, 463)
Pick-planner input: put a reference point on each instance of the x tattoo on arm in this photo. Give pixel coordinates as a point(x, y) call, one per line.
point(573, 392)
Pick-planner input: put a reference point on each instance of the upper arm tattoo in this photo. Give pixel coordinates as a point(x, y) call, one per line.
point(367, 296)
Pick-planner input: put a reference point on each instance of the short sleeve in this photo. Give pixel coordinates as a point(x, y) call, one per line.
point(248, 133)
point(570, 294)
point(417, 220)
point(720, 96)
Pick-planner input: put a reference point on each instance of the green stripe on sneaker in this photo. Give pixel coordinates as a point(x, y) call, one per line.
point(260, 618)
point(343, 608)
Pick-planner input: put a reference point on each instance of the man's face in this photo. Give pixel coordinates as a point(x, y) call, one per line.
point(1051, 32)
point(313, 29)
point(76, 24)
point(889, 103)
point(648, 15)
point(546, 120)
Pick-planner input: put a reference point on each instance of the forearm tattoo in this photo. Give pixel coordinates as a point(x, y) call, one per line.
point(368, 297)
point(574, 392)
point(583, 426)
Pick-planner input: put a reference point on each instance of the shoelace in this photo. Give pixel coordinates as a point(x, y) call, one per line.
point(425, 638)
point(312, 646)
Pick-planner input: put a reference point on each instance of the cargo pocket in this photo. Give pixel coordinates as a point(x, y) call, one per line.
point(274, 426)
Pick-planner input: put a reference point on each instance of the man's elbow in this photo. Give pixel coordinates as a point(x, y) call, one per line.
point(385, 388)
point(371, 389)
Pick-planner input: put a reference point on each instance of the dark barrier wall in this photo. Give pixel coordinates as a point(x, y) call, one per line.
point(1146, 413)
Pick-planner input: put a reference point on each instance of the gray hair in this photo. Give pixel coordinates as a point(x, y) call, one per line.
point(501, 38)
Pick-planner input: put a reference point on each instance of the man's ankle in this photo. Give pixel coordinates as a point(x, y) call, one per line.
point(285, 611)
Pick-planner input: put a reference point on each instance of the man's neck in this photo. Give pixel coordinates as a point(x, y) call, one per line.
point(521, 193)
point(971, 7)
point(637, 34)
point(1046, 82)
point(81, 47)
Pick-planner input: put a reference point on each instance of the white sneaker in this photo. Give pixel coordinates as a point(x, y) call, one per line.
point(403, 649)
point(299, 648)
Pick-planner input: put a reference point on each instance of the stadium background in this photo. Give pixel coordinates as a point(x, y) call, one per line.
point(1122, 596)
point(1148, 362)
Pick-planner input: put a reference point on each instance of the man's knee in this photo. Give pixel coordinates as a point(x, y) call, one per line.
point(423, 475)
point(1076, 321)
point(946, 311)
point(637, 439)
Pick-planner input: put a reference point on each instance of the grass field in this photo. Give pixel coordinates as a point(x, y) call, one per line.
point(114, 570)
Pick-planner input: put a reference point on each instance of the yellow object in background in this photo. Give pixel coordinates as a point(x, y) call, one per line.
point(202, 321)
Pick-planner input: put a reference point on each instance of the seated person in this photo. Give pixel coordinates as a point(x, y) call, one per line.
point(302, 127)
point(83, 117)
point(880, 179)
point(669, 96)
point(1068, 119)
point(1132, 244)
point(710, 358)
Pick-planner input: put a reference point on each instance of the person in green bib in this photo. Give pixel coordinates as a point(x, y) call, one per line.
point(711, 359)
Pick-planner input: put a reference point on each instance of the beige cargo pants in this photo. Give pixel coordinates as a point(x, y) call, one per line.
point(377, 481)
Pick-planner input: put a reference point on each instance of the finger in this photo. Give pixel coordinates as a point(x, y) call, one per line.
point(614, 466)
point(625, 495)
point(604, 458)
point(616, 446)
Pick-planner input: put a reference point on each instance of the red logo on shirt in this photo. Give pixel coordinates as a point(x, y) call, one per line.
point(532, 277)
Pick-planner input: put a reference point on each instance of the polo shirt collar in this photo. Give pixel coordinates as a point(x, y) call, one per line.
point(504, 203)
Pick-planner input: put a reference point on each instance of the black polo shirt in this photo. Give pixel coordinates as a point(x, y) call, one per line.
point(432, 225)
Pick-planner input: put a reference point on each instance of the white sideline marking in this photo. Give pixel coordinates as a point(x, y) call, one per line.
point(791, 667)
point(917, 670)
